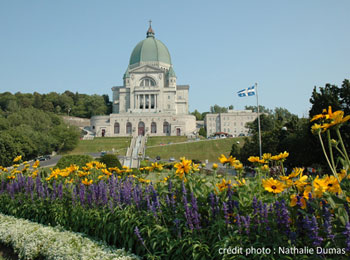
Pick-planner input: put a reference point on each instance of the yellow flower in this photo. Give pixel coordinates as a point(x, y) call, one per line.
point(101, 176)
point(272, 185)
point(69, 181)
point(342, 174)
point(294, 200)
point(296, 171)
point(183, 167)
point(156, 166)
point(18, 158)
point(36, 164)
point(215, 166)
point(238, 166)
point(73, 168)
point(330, 119)
point(265, 167)
point(87, 182)
point(54, 174)
point(316, 128)
point(332, 184)
point(256, 159)
point(280, 156)
point(307, 191)
point(266, 156)
point(116, 170)
point(82, 174)
point(95, 164)
point(301, 182)
point(239, 183)
point(195, 167)
point(65, 173)
point(319, 186)
point(105, 171)
point(223, 185)
point(34, 174)
point(231, 160)
point(144, 180)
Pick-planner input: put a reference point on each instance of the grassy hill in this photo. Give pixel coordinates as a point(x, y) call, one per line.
point(200, 150)
point(99, 144)
point(164, 146)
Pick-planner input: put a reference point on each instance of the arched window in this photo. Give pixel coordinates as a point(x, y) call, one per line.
point(153, 128)
point(141, 128)
point(147, 82)
point(166, 128)
point(128, 128)
point(116, 128)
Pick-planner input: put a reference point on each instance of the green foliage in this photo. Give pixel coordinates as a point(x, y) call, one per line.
point(218, 109)
point(79, 160)
point(74, 104)
point(203, 132)
point(235, 151)
point(31, 132)
point(336, 97)
point(110, 160)
point(197, 114)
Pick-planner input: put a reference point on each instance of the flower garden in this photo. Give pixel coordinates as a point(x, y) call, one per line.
point(188, 212)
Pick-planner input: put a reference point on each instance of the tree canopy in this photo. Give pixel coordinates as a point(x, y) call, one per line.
point(68, 103)
point(31, 132)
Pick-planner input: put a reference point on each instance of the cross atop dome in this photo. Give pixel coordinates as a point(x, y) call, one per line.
point(150, 32)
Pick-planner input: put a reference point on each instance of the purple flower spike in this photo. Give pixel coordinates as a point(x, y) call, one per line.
point(137, 233)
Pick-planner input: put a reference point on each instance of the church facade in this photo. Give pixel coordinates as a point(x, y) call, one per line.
point(149, 102)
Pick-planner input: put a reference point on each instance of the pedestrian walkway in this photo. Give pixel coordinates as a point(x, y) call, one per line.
point(135, 152)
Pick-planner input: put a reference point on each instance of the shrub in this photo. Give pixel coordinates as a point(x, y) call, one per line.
point(110, 160)
point(79, 160)
point(31, 240)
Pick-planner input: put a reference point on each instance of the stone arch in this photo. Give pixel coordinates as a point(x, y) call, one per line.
point(116, 128)
point(128, 128)
point(141, 128)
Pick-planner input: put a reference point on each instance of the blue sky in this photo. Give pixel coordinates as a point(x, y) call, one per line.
point(217, 47)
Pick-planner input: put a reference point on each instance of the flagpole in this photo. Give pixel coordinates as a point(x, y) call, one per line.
point(259, 130)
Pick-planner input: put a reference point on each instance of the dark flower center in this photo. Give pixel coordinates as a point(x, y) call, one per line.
point(273, 187)
point(330, 185)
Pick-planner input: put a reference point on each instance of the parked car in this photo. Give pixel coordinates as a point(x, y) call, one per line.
point(172, 159)
point(158, 158)
point(196, 161)
point(103, 153)
point(44, 158)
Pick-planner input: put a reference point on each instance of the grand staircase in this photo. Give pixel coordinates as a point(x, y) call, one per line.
point(135, 152)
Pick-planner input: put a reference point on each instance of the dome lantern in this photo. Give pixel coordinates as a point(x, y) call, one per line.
point(150, 50)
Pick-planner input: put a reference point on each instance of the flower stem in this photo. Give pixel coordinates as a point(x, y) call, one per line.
point(325, 154)
point(343, 147)
point(330, 148)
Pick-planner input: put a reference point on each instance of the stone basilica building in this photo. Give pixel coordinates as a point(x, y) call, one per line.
point(150, 102)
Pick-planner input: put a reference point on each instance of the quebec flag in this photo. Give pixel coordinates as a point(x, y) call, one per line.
point(247, 92)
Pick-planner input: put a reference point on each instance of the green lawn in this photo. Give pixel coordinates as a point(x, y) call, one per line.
point(157, 140)
point(120, 144)
point(208, 149)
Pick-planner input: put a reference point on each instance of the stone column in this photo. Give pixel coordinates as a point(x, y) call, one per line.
point(149, 102)
point(144, 102)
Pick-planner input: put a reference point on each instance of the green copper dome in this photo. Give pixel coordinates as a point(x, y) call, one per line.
point(150, 49)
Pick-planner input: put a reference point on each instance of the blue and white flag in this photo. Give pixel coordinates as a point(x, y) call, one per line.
point(247, 92)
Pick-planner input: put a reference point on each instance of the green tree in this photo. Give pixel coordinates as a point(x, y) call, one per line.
point(202, 132)
point(218, 109)
point(262, 109)
point(197, 114)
